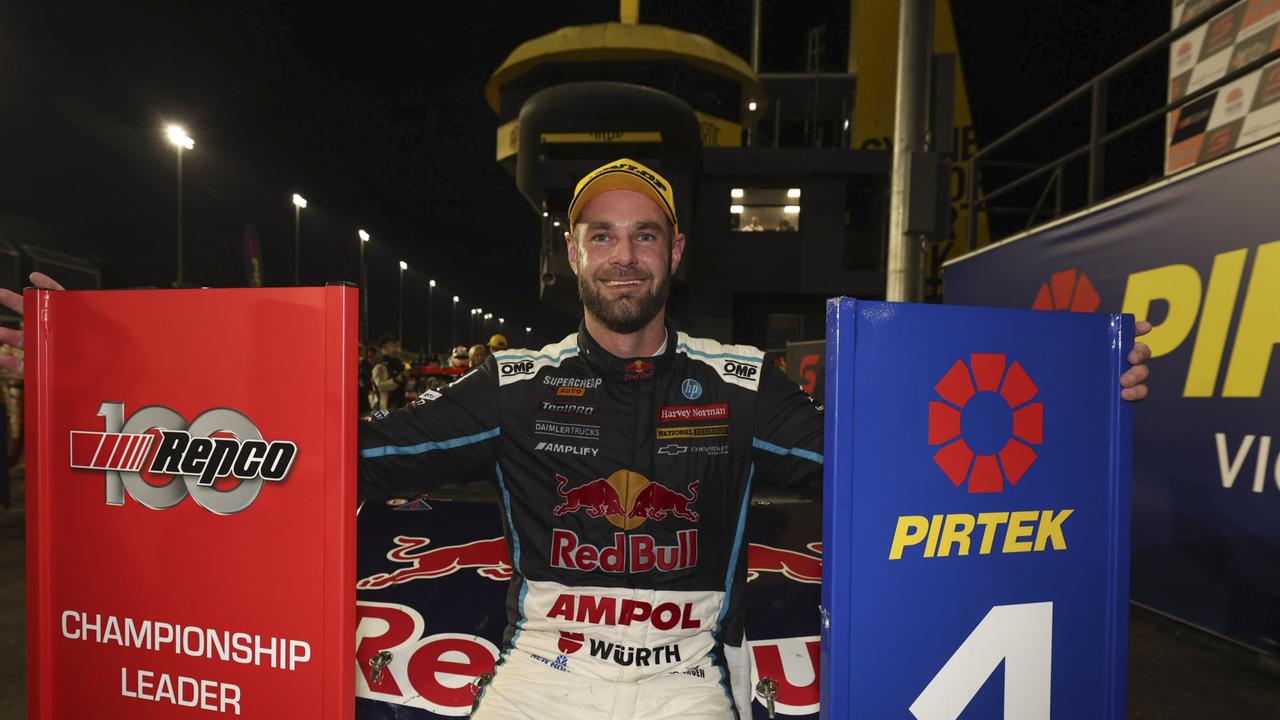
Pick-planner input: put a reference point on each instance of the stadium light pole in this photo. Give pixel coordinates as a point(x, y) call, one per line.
point(181, 141)
point(527, 330)
point(299, 202)
point(431, 293)
point(364, 290)
point(484, 328)
point(400, 313)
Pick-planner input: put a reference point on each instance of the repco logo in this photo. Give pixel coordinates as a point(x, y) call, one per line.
point(219, 443)
point(520, 367)
point(743, 370)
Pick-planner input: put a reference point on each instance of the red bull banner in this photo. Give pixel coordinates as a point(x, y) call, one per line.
point(191, 503)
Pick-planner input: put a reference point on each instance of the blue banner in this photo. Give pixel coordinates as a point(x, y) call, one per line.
point(976, 513)
point(1198, 256)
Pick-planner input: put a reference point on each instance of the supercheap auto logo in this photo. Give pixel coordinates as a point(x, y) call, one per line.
point(180, 458)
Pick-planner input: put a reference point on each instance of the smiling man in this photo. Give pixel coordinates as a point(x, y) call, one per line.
point(623, 458)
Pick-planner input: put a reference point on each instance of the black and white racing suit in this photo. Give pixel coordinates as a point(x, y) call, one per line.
point(624, 486)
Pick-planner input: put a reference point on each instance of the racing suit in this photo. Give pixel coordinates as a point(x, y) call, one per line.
point(623, 486)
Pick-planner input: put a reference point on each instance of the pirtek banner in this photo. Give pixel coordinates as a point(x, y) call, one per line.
point(191, 503)
point(976, 513)
point(1200, 258)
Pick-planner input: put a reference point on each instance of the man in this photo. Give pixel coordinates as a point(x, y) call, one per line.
point(623, 511)
point(754, 225)
point(364, 381)
point(623, 458)
point(497, 343)
point(389, 374)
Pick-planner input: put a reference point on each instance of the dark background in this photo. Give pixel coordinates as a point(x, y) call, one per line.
point(375, 113)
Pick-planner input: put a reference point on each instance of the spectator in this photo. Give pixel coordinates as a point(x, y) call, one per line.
point(478, 354)
point(459, 358)
point(784, 225)
point(496, 343)
point(389, 374)
point(364, 380)
point(754, 225)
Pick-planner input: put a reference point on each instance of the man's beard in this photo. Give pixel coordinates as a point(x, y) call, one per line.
point(625, 315)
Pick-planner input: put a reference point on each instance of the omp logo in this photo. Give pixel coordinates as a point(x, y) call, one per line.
point(1067, 290)
point(219, 444)
point(518, 367)
point(746, 371)
point(984, 422)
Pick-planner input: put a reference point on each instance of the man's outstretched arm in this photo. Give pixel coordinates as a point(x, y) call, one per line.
point(443, 436)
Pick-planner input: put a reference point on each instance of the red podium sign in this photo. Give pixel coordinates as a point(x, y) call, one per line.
point(190, 522)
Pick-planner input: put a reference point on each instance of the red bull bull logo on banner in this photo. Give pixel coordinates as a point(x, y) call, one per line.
point(487, 557)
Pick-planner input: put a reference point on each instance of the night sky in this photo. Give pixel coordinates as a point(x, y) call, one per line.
point(375, 113)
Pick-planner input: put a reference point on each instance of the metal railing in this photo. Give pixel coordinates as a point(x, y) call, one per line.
point(1096, 89)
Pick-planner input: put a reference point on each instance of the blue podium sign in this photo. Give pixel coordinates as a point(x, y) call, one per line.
point(976, 514)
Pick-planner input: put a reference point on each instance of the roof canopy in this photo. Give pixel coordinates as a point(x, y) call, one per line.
point(606, 42)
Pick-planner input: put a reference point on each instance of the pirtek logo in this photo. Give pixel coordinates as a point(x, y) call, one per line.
point(992, 423)
point(745, 371)
point(519, 367)
point(627, 499)
point(1067, 290)
point(220, 443)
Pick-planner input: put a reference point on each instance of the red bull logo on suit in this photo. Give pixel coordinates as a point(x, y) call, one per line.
point(628, 500)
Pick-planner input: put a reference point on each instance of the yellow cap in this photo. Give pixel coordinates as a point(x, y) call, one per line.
point(624, 174)
point(498, 342)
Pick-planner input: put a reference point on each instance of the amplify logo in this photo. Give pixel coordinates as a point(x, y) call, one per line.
point(1067, 291)
point(984, 431)
point(220, 443)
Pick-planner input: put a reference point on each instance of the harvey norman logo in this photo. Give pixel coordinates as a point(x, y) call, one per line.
point(218, 444)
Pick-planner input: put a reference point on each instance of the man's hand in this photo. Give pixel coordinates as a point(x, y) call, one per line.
point(1134, 381)
point(13, 338)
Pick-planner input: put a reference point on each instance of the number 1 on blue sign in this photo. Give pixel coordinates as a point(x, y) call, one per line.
point(1019, 635)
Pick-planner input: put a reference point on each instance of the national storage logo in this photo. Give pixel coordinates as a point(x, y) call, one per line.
point(986, 422)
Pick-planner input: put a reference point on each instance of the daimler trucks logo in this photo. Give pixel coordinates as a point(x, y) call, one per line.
point(190, 458)
point(986, 423)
